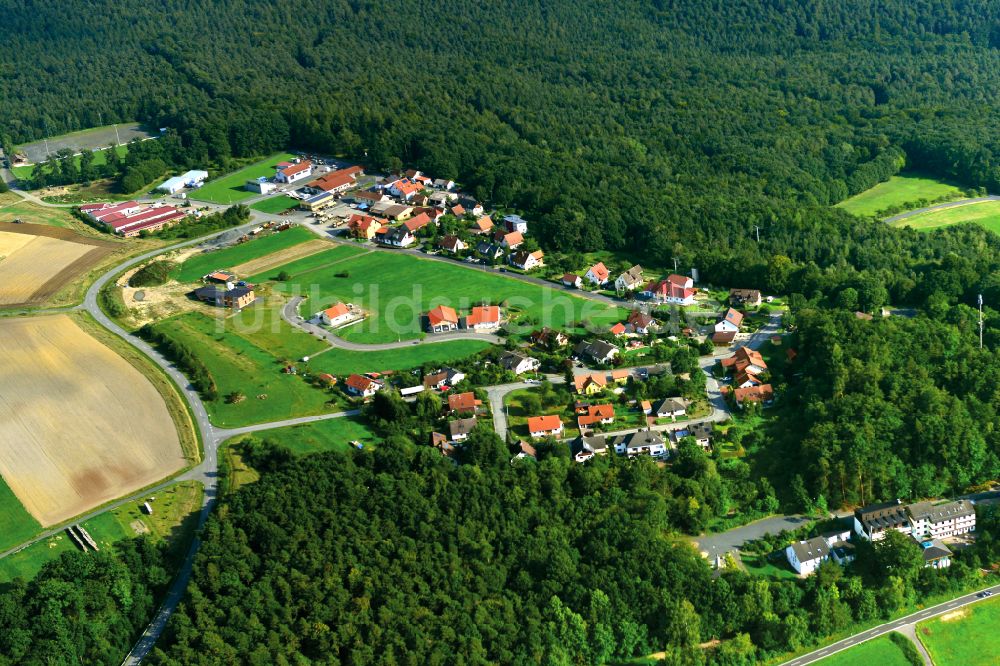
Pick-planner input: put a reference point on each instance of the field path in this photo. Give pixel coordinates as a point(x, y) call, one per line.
point(941, 206)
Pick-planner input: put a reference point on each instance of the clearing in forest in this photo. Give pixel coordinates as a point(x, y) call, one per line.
point(985, 213)
point(79, 425)
point(905, 190)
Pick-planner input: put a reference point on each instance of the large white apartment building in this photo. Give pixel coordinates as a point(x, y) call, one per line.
point(940, 521)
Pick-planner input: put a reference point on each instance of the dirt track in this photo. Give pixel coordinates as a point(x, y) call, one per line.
point(281, 257)
point(32, 270)
point(79, 426)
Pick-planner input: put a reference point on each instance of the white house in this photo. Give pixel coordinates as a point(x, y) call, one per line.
point(483, 318)
point(629, 280)
point(519, 364)
point(587, 447)
point(461, 428)
point(545, 426)
point(806, 556)
point(364, 387)
point(939, 521)
point(671, 408)
point(515, 223)
point(729, 322)
point(676, 289)
point(293, 173)
point(598, 274)
point(527, 261)
point(336, 315)
point(260, 186)
point(873, 521)
point(643, 442)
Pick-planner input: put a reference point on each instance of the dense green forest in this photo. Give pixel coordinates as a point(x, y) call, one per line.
point(84, 608)
point(671, 127)
point(398, 556)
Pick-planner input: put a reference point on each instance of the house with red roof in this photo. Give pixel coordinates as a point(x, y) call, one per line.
point(545, 426)
point(417, 222)
point(457, 210)
point(365, 226)
point(676, 289)
point(598, 274)
point(293, 173)
point(335, 182)
point(763, 394)
point(512, 240)
point(482, 226)
point(590, 415)
point(483, 318)
point(746, 359)
point(336, 315)
point(442, 319)
point(404, 188)
point(362, 386)
point(729, 322)
point(618, 329)
point(572, 280)
point(463, 403)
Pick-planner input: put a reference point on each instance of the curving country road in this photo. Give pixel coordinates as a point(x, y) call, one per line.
point(896, 625)
point(941, 206)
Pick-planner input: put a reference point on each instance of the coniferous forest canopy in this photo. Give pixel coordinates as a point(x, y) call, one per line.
point(670, 129)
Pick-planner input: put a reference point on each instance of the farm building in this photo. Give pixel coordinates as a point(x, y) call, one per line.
point(260, 185)
point(131, 218)
point(190, 179)
point(318, 202)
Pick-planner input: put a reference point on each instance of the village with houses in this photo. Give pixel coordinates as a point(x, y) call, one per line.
point(675, 363)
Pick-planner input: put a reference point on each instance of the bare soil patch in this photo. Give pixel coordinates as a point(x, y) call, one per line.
point(79, 425)
point(275, 259)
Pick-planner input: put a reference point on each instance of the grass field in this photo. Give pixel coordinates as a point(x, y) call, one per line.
point(986, 214)
point(18, 208)
point(174, 519)
point(238, 364)
point(397, 289)
point(16, 524)
point(275, 204)
point(301, 270)
point(965, 637)
point(338, 362)
point(329, 435)
point(229, 189)
point(898, 191)
point(761, 566)
point(201, 264)
point(879, 651)
point(100, 158)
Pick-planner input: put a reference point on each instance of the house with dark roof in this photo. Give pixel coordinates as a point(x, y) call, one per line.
point(806, 556)
point(519, 363)
point(395, 236)
point(586, 447)
point(597, 350)
point(630, 280)
point(451, 244)
point(873, 521)
point(644, 442)
point(461, 428)
point(671, 408)
point(549, 338)
point(488, 250)
point(745, 297)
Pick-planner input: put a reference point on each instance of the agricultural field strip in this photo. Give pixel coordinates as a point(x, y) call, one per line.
point(281, 257)
point(124, 436)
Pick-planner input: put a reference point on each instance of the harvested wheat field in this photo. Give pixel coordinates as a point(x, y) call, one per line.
point(79, 426)
point(37, 260)
point(281, 257)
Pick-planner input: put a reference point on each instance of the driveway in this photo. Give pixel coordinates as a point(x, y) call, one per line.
point(717, 545)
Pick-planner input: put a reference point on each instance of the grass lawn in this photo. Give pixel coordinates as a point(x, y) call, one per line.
point(329, 435)
point(16, 524)
point(229, 188)
point(396, 289)
point(897, 191)
point(339, 363)
point(175, 516)
point(35, 214)
point(986, 214)
point(761, 566)
point(275, 204)
point(967, 637)
point(881, 651)
point(517, 415)
point(201, 264)
point(301, 269)
point(239, 364)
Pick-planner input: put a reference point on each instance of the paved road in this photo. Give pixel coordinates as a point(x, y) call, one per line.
point(290, 313)
point(882, 629)
point(910, 631)
point(950, 204)
point(717, 545)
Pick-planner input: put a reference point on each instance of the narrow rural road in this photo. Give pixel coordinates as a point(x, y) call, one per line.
point(941, 206)
point(882, 629)
point(290, 313)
